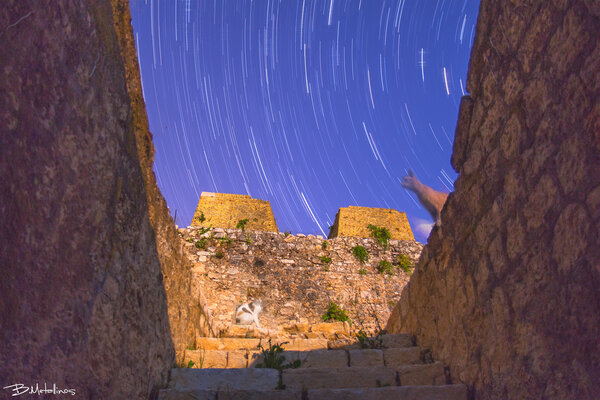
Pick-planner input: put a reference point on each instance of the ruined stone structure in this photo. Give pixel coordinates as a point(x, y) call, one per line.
point(295, 276)
point(90, 257)
point(223, 210)
point(353, 221)
point(506, 292)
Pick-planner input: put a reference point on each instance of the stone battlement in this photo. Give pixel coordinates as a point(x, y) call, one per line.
point(353, 221)
point(224, 210)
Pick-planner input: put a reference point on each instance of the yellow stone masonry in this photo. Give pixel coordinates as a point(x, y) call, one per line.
point(353, 221)
point(223, 210)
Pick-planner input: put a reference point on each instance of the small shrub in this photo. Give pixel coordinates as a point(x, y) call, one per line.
point(225, 241)
point(381, 235)
point(201, 244)
point(326, 260)
point(334, 313)
point(242, 224)
point(385, 267)
point(204, 230)
point(370, 342)
point(362, 271)
point(324, 245)
point(248, 240)
point(190, 240)
point(287, 233)
point(272, 357)
point(201, 217)
point(219, 254)
point(360, 253)
point(190, 364)
point(405, 264)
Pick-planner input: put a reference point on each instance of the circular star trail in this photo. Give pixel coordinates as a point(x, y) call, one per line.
point(310, 104)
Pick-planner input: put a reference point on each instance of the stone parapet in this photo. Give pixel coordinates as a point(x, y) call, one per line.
point(224, 210)
point(353, 221)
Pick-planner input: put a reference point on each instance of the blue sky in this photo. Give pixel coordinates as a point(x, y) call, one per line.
point(310, 104)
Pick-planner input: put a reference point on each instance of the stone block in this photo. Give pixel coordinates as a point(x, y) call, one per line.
point(329, 329)
point(365, 357)
point(260, 395)
point(401, 356)
point(424, 374)
point(319, 378)
point(206, 358)
point(237, 359)
point(220, 379)
point(397, 340)
point(447, 392)
point(325, 359)
point(305, 344)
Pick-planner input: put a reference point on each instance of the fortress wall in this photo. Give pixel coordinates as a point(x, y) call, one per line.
point(223, 210)
point(95, 288)
point(186, 315)
point(353, 221)
point(506, 292)
point(288, 274)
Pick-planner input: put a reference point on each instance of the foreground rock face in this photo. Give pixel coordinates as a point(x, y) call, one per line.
point(84, 230)
point(295, 276)
point(506, 292)
point(186, 316)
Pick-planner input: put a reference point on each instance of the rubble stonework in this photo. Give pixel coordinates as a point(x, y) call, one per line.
point(354, 221)
point(224, 210)
point(506, 292)
point(293, 276)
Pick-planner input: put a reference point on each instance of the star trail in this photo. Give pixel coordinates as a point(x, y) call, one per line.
point(310, 104)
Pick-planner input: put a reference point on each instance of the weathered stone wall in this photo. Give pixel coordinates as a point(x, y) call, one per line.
point(224, 210)
point(186, 317)
point(506, 292)
point(85, 232)
point(353, 221)
point(293, 277)
point(82, 301)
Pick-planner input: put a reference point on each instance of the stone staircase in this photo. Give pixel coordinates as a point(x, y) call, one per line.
point(332, 366)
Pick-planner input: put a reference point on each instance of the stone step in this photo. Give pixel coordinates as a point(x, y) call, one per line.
point(298, 344)
point(320, 358)
point(356, 377)
point(444, 392)
point(306, 378)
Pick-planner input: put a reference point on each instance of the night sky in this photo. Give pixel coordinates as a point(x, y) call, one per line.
point(310, 104)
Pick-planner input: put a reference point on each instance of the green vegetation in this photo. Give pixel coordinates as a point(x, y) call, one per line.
point(362, 271)
point(248, 240)
point(385, 267)
point(405, 264)
point(370, 342)
point(324, 245)
point(381, 235)
point(242, 224)
point(326, 260)
point(219, 254)
point(201, 217)
point(360, 253)
point(204, 230)
point(225, 240)
point(334, 313)
point(287, 233)
point(201, 244)
point(272, 357)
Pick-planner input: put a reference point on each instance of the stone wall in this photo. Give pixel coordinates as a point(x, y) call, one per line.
point(186, 317)
point(82, 302)
point(95, 286)
point(223, 210)
point(506, 292)
point(294, 276)
point(353, 221)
